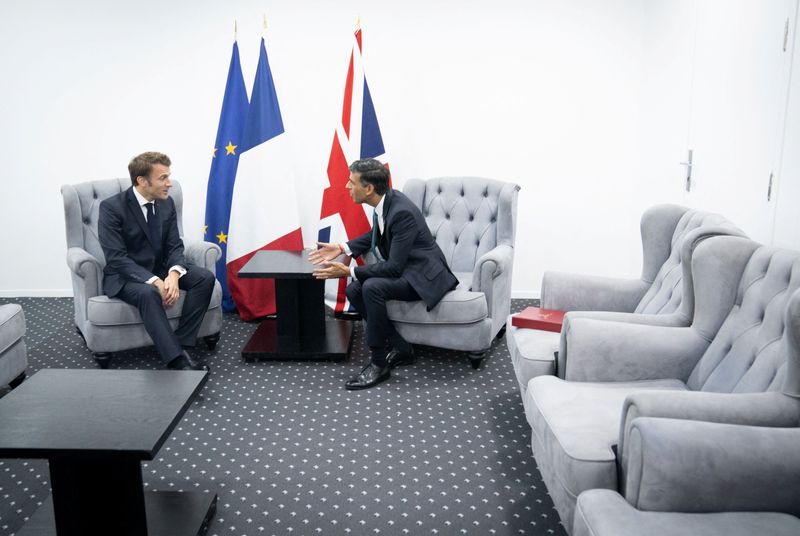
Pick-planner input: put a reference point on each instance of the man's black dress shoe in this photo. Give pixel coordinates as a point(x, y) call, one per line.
point(396, 358)
point(370, 376)
point(184, 362)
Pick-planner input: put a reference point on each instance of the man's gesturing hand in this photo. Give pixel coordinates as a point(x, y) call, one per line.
point(332, 270)
point(327, 252)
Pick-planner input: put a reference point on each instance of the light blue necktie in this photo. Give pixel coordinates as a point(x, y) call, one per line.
point(375, 232)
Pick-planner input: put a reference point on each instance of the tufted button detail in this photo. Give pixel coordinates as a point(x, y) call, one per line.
point(94, 195)
point(462, 193)
point(478, 244)
point(447, 216)
point(86, 221)
point(439, 190)
point(486, 193)
point(493, 219)
point(456, 240)
point(471, 217)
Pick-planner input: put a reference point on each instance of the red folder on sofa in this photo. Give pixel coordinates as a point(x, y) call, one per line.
point(537, 318)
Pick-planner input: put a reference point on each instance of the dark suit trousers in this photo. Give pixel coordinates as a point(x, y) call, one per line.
point(369, 298)
point(198, 284)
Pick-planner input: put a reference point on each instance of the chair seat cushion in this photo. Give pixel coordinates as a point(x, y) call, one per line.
point(532, 352)
point(456, 307)
point(105, 311)
point(605, 513)
point(12, 325)
point(577, 423)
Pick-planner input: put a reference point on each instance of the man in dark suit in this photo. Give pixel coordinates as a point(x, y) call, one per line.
point(410, 267)
point(145, 266)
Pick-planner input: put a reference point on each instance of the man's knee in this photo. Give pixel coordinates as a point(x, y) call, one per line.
point(150, 295)
point(353, 290)
point(373, 287)
point(208, 279)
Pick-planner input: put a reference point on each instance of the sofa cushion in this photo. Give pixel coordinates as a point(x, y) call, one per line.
point(532, 352)
point(105, 311)
point(12, 325)
point(605, 513)
point(577, 424)
point(456, 307)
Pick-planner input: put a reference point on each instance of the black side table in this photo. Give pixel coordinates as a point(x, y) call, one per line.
point(96, 427)
point(300, 329)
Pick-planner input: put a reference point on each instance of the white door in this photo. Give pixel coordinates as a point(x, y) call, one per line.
point(739, 87)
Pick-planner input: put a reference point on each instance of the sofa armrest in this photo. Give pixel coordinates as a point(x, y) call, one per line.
point(603, 350)
point(492, 276)
point(86, 271)
point(203, 254)
point(694, 466)
point(573, 292)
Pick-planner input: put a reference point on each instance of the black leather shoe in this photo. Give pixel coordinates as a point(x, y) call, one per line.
point(184, 362)
point(370, 376)
point(396, 358)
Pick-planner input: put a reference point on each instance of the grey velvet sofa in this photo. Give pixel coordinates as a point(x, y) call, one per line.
point(730, 364)
point(661, 296)
point(700, 478)
point(107, 324)
point(474, 222)
point(13, 353)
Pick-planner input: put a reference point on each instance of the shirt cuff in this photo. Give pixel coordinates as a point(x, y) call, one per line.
point(180, 269)
point(353, 272)
point(152, 280)
point(346, 249)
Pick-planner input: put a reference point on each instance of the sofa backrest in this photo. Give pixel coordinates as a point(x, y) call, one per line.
point(82, 209)
point(749, 352)
point(671, 289)
point(467, 216)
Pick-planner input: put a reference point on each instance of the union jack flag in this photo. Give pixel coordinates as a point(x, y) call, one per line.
point(357, 136)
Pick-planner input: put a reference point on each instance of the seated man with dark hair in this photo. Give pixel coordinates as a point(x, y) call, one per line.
point(410, 267)
point(145, 266)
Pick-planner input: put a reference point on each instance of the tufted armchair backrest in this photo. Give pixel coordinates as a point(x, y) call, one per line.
point(82, 209)
point(468, 216)
point(760, 333)
point(671, 289)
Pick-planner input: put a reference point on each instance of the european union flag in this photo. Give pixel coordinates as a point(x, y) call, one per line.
point(224, 163)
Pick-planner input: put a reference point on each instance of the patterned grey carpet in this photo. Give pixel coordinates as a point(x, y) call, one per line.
point(439, 449)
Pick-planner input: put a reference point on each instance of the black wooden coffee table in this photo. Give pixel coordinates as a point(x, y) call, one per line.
point(300, 329)
point(96, 427)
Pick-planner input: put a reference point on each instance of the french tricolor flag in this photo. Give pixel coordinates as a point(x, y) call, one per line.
point(357, 136)
point(264, 208)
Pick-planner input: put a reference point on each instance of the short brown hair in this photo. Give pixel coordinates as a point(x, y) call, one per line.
point(142, 165)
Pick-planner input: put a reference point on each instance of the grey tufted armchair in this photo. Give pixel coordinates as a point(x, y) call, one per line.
point(13, 354)
point(107, 324)
point(663, 295)
point(473, 221)
point(738, 362)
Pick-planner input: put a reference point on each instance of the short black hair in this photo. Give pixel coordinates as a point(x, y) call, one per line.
point(370, 171)
point(141, 165)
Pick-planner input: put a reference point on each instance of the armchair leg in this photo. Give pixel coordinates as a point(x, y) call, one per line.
point(17, 381)
point(103, 359)
point(476, 358)
point(211, 341)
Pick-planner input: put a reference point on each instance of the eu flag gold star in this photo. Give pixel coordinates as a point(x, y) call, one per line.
point(222, 237)
point(230, 149)
point(205, 229)
point(214, 153)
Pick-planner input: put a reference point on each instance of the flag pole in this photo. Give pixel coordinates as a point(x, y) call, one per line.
point(358, 22)
point(235, 30)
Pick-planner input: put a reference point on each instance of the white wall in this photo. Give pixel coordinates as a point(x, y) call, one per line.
point(544, 93)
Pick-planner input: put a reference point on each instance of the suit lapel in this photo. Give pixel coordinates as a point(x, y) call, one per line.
point(136, 210)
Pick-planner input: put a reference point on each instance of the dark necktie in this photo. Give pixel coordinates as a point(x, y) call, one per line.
point(375, 236)
point(153, 226)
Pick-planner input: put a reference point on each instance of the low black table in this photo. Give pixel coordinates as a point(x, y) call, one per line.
point(95, 427)
point(300, 329)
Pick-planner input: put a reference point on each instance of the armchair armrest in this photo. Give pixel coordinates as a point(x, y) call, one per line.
point(573, 292)
point(203, 254)
point(492, 276)
point(605, 350)
point(695, 466)
point(87, 272)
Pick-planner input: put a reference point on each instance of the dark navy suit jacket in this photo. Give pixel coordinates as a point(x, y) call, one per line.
point(410, 251)
point(131, 254)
